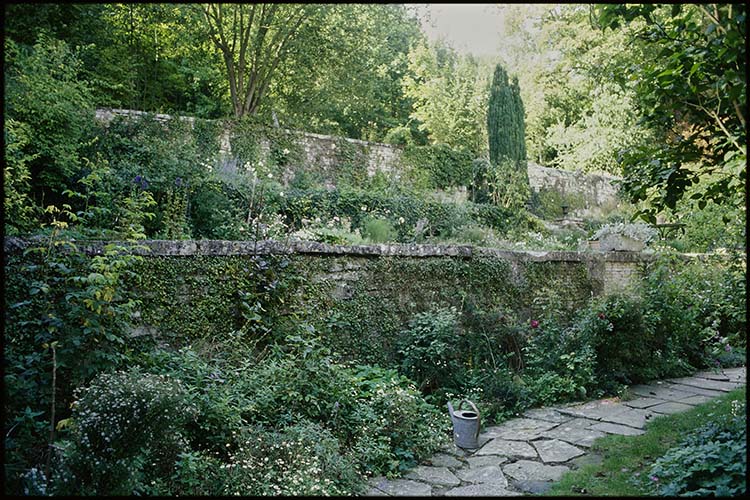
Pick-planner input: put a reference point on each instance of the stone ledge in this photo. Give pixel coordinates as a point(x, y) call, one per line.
point(13, 244)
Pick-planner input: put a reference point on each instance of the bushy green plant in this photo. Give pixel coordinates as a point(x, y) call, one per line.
point(125, 430)
point(712, 461)
point(302, 459)
point(443, 165)
point(627, 350)
point(429, 349)
point(378, 230)
point(698, 306)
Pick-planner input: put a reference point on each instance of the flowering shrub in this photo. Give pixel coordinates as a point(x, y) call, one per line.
point(125, 430)
point(302, 459)
point(637, 231)
point(394, 426)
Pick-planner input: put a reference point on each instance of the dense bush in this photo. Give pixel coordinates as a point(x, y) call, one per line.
point(126, 432)
point(413, 218)
point(444, 166)
point(292, 421)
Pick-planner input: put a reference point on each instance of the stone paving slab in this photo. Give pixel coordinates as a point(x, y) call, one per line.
point(661, 392)
point(481, 490)
point(485, 460)
point(508, 448)
point(526, 470)
point(578, 423)
point(595, 410)
point(546, 414)
point(438, 476)
point(670, 408)
point(622, 430)
point(556, 451)
point(643, 402)
point(533, 487)
point(575, 436)
point(632, 417)
point(695, 390)
point(404, 487)
point(704, 383)
point(444, 460)
point(733, 374)
point(523, 429)
point(695, 400)
point(527, 454)
point(490, 474)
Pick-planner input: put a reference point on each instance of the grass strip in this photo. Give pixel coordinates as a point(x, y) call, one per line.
point(626, 460)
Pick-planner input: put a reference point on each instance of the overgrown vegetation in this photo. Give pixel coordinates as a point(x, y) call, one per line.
point(126, 373)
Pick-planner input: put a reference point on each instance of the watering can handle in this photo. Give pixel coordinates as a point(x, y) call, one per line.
point(473, 407)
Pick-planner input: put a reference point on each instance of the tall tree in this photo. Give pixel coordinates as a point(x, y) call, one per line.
point(450, 95)
point(506, 176)
point(505, 119)
point(254, 40)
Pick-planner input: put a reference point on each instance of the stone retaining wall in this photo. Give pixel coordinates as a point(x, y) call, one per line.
point(320, 152)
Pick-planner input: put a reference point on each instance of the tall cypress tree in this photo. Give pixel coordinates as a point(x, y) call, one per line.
point(507, 140)
point(505, 119)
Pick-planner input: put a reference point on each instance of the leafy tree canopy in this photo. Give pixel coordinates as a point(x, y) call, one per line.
point(692, 89)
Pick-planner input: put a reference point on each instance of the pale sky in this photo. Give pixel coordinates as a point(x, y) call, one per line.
point(469, 28)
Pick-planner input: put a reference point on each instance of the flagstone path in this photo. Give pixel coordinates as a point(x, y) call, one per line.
point(526, 455)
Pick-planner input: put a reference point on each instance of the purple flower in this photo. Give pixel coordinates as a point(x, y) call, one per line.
point(534, 323)
point(654, 479)
point(140, 181)
point(178, 182)
point(728, 348)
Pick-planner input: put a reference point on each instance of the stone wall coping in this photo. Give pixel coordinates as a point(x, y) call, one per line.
point(16, 245)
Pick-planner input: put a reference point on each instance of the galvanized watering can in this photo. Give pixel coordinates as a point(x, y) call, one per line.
point(465, 425)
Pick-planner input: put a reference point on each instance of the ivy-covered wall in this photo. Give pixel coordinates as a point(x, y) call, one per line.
point(302, 158)
point(360, 297)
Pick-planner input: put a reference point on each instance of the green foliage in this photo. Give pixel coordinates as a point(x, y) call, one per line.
point(701, 307)
point(692, 91)
point(291, 421)
point(429, 350)
point(548, 203)
point(449, 94)
point(444, 166)
point(710, 461)
point(51, 114)
point(302, 459)
point(414, 218)
point(378, 230)
point(125, 433)
point(505, 119)
point(399, 136)
point(19, 211)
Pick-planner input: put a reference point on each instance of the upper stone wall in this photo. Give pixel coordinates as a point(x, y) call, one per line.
point(321, 152)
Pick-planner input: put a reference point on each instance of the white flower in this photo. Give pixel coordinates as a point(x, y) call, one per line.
point(270, 176)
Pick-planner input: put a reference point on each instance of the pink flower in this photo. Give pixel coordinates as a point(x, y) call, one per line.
point(601, 316)
point(534, 323)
